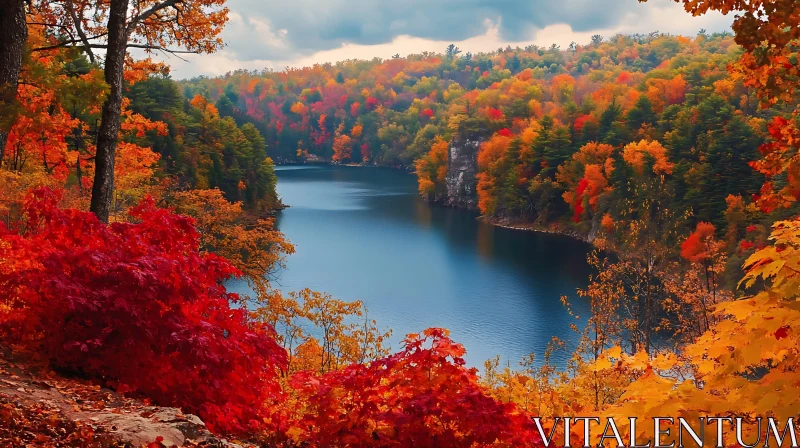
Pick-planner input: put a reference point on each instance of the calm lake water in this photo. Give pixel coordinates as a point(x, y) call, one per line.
point(364, 234)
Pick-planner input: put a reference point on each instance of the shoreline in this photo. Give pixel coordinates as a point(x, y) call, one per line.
point(504, 223)
point(531, 227)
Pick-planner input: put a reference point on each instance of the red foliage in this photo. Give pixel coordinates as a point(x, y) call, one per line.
point(365, 152)
point(624, 77)
point(427, 113)
point(354, 108)
point(582, 185)
point(372, 103)
point(505, 132)
point(422, 396)
point(494, 114)
point(779, 158)
point(696, 246)
point(581, 121)
point(139, 307)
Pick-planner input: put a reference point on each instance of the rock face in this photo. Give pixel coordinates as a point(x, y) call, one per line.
point(173, 426)
point(462, 169)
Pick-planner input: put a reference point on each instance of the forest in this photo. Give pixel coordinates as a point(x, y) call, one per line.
point(128, 199)
point(579, 140)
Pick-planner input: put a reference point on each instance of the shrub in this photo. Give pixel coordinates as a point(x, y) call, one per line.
point(138, 307)
point(422, 396)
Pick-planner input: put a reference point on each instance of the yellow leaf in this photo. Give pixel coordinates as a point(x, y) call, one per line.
point(295, 433)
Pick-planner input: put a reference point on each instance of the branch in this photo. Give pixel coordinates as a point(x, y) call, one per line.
point(154, 9)
point(150, 47)
point(81, 34)
point(174, 53)
point(47, 24)
point(68, 43)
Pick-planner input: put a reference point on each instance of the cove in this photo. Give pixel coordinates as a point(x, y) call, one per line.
point(365, 234)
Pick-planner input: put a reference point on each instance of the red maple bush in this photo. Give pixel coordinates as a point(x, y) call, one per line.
point(138, 307)
point(422, 396)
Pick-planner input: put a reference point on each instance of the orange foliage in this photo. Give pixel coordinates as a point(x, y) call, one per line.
point(342, 148)
point(492, 150)
point(585, 176)
point(299, 108)
point(432, 168)
point(202, 103)
point(486, 200)
point(663, 92)
point(139, 70)
point(637, 154)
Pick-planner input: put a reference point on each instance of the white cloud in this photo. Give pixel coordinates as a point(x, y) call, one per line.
point(267, 35)
point(656, 15)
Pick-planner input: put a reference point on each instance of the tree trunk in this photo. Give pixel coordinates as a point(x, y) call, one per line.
point(108, 133)
point(13, 35)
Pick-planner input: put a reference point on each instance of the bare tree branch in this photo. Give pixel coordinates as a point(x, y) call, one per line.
point(68, 43)
point(57, 25)
point(151, 47)
point(154, 9)
point(79, 28)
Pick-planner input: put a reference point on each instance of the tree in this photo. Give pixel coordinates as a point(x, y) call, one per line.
point(154, 25)
point(452, 51)
point(342, 148)
point(13, 34)
point(431, 169)
point(640, 114)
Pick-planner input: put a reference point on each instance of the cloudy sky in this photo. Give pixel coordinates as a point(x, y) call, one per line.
point(279, 33)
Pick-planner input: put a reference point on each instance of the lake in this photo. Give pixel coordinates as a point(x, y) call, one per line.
point(365, 234)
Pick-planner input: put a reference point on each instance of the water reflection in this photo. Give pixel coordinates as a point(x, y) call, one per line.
point(363, 233)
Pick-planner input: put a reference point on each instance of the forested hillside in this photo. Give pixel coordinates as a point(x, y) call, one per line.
point(388, 112)
point(575, 138)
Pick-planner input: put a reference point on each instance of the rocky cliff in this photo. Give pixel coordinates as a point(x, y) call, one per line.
point(462, 169)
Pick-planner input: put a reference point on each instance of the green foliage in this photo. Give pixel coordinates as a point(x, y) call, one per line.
point(205, 147)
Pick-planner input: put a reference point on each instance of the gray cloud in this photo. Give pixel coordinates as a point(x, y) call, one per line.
point(296, 33)
point(313, 25)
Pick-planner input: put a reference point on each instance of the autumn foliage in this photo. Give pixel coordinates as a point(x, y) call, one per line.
point(138, 306)
point(422, 396)
point(431, 169)
point(643, 143)
point(698, 245)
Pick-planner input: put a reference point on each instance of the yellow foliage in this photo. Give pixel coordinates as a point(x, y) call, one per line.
point(342, 332)
point(431, 169)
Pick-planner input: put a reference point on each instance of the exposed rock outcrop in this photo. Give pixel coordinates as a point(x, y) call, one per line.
point(462, 169)
point(46, 409)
